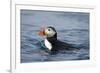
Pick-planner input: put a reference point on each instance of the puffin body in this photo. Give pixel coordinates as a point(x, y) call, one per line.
point(52, 43)
point(47, 44)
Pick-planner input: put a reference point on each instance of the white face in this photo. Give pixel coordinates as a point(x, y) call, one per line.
point(49, 32)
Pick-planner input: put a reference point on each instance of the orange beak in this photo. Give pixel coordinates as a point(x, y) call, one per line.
point(42, 32)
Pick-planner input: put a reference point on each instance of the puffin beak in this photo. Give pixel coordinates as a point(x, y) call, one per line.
point(42, 32)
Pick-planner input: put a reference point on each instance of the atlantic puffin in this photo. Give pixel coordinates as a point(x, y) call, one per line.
point(51, 41)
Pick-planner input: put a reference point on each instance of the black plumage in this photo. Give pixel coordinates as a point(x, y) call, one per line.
point(58, 45)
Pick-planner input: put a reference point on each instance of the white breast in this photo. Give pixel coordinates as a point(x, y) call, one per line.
point(48, 44)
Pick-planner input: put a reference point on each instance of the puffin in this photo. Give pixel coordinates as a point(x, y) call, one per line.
point(52, 43)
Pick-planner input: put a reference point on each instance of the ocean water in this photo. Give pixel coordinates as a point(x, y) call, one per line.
point(72, 28)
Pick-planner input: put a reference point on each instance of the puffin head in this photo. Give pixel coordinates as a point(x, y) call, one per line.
point(48, 32)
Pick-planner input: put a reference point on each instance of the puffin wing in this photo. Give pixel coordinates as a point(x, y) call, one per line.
point(63, 46)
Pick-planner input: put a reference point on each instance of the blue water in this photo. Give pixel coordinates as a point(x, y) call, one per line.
point(72, 28)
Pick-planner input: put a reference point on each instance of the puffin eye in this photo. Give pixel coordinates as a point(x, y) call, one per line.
point(48, 29)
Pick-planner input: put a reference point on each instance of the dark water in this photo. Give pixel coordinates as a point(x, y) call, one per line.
point(72, 28)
